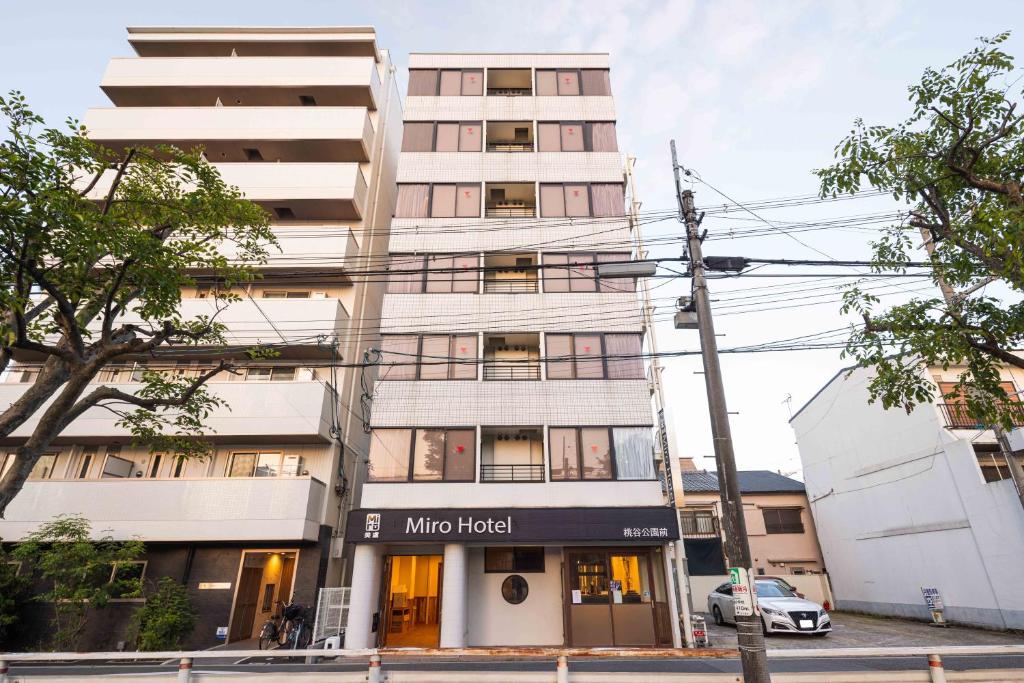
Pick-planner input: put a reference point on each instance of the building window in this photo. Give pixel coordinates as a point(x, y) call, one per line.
point(265, 374)
point(85, 462)
point(514, 589)
point(154, 465)
point(508, 559)
point(576, 136)
point(594, 356)
point(433, 274)
point(116, 467)
point(783, 520)
point(438, 201)
point(446, 82)
point(992, 462)
point(577, 272)
point(442, 136)
point(575, 200)
point(6, 463)
point(601, 453)
point(44, 466)
point(264, 464)
point(554, 82)
point(422, 455)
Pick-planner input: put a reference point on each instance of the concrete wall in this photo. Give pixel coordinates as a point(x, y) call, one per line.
point(900, 504)
point(535, 621)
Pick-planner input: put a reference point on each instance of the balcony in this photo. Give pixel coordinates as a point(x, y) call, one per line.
point(313, 246)
point(235, 134)
point(512, 455)
point(222, 509)
point(253, 42)
point(250, 319)
point(510, 274)
point(510, 200)
point(506, 136)
point(242, 81)
point(698, 524)
point(287, 412)
point(511, 357)
point(291, 191)
point(957, 416)
point(509, 82)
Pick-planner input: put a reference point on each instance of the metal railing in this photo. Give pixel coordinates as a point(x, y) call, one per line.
point(697, 525)
point(509, 146)
point(511, 92)
point(510, 211)
point(958, 416)
point(512, 472)
point(511, 371)
point(523, 286)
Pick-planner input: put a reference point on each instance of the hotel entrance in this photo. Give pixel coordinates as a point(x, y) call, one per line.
point(411, 601)
point(616, 597)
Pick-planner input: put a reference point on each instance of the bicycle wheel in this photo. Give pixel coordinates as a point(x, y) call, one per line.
point(268, 635)
point(302, 636)
point(284, 634)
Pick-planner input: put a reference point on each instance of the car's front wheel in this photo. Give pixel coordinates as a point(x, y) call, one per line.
point(717, 614)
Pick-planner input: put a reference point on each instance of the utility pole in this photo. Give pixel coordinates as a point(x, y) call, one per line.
point(952, 299)
point(750, 636)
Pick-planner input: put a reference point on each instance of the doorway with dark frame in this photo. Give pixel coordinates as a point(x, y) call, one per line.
point(411, 601)
point(265, 582)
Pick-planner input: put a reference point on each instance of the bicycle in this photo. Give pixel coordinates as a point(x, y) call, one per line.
point(291, 633)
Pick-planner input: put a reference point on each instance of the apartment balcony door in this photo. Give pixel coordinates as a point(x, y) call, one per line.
point(611, 599)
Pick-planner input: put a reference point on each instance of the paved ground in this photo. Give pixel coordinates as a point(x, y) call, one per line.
point(859, 630)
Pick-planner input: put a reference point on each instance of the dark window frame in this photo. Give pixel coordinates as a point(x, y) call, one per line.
point(604, 354)
point(433, 142)
point(579, 451)
point(588, 135)
point(418, 360)
point(597, 278)
point(516, 568)
point(579, 80)
point(409, 476)
point(423, 270)
point(463, 70)
point(778, 525)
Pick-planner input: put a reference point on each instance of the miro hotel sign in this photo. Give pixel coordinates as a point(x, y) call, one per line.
point(513, 525)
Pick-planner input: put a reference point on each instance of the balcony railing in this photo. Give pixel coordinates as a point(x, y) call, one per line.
point(510, 286)
point(510, 92)
point(512, 472)
point(511, 371)
point(693, 525)
point(510, 210)
point(958, 416)
point(509, 146)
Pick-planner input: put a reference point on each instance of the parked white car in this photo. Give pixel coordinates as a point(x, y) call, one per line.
point(781, 610)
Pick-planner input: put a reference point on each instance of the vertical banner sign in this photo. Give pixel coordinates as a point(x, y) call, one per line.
point(742, 591)
point(663, 434)
point(933, 599)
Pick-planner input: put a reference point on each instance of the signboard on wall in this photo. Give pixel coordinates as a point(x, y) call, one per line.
point(514, 525)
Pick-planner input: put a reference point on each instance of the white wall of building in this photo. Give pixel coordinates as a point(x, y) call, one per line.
point(900, 504)
point(535, 621)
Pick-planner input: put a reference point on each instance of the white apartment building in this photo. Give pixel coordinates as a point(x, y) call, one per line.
point(511, 495)
point(904, 502)
point(307, 122)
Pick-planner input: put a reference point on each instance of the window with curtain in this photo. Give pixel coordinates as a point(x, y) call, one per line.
point(552, 201)
point(608, 199)
point(570, 200)
point(575, 136)
point(413, 201)
point(595, 82)
point(634, 453)
point(547, 83)
point(434, 351)
point(615, 284)
point(418, 137)
point(577, 272)
point(595, 453)
point(782, 520)
point(563, 445)
point(549, 137)
point(601, 137)
point(455, 82)
point(556, 277)
point(389, 454)
point(629, 345)
point(568, 82)
point(571, 137)
point(463, 351)
point(582, 275)
point(405, 274)
point(450, 201)
point(447, 137)
point(398, 356)
point(467, 201)
point(452, 274)
point(442, 201)
point(422, 82)
point(559, 346)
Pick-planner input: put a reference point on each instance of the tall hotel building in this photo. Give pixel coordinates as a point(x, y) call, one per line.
point(307, 122)
point(511, 496)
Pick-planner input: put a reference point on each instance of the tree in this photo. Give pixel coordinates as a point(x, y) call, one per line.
point(13, 595)
point(957, 161)
point(95, 246)
point(81, 573)
point(167, 618)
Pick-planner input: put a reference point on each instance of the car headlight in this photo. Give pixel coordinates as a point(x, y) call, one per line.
point(769, 610)
point(822, 613)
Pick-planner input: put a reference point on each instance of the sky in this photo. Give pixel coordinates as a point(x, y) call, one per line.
point(756, 95)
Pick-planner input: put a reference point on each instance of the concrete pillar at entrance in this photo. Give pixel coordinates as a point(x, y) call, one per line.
point(363, 598)
point(454, 627)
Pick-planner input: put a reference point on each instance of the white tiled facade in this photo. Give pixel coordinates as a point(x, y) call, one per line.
point(487, 406)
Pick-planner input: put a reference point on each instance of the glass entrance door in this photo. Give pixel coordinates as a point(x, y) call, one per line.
point(610, 598)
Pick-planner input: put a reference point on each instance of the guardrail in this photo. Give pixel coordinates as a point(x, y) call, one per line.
point(523, 371)
point(512, 472)
point(524, 286)
point(375, 657)
point(958, 415)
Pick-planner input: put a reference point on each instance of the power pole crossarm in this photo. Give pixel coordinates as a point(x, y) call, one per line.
point(751, 639)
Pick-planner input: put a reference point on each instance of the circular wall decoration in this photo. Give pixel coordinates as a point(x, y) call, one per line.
point(514, 589)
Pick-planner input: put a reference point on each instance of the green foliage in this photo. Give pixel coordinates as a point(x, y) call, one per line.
point(167, 618)
point(78, 572)
point(13, 596)
point(958, 162)
point(96, 245)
